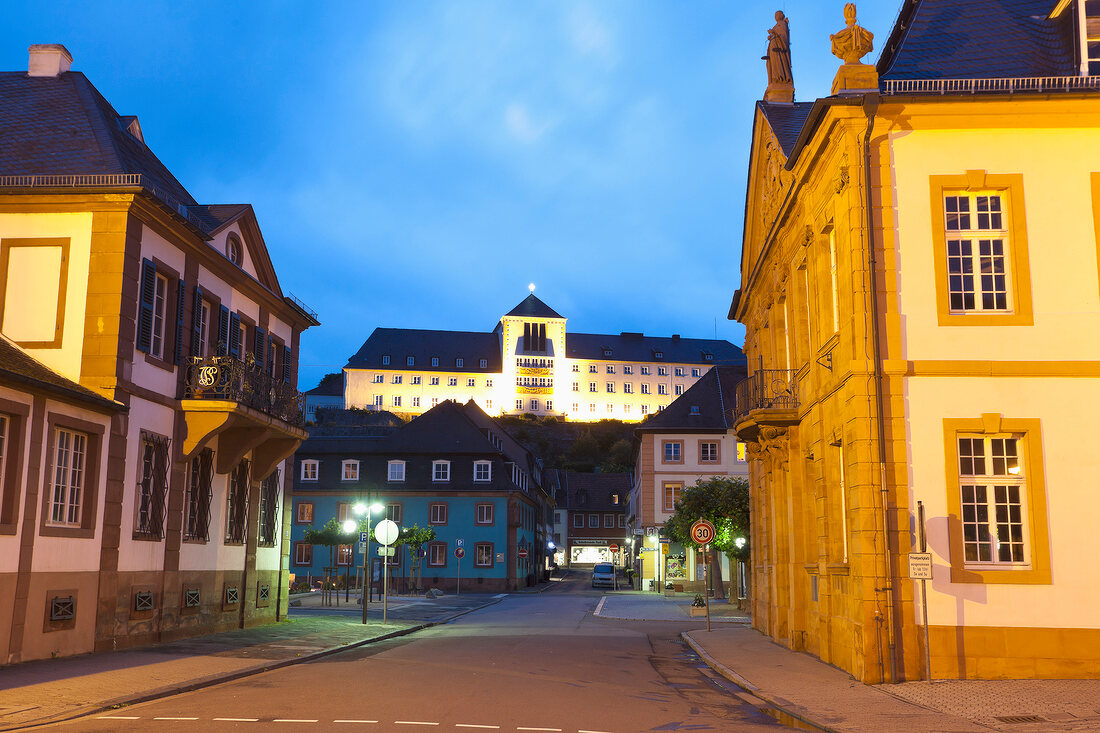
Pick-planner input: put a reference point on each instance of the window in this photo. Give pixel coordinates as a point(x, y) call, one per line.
point(437, 554)
point(415, 379)
point(708, 451)
point(742, 453)
point(199, 493)
point(591, 406)
point(441, 470)
point(678, 389)
point(645, 409)
point(576, 386)
point(458, 362)
point(309, 470)
point(679, 371)
point(672, 451)
point(484, 514)
point(610, 368)
point(592, 368)
point(437, 513)
point(645, 370)
point(610, 408)
point(695, 372)
point(482, 470)
point(269, 510)
point(628, 388)
point(397, 378)
point(534, 405)
point(622, 521)
point(609, 521)
point(379, 379)
point(488, 383)
point(452, 382)
point(576, 367)
point(593, 521)
point(483, 555)
point(662, 371)
point(672, 495)
point(394, 512)
point(658, 355)
point(627, 369)
point(607, 352)
point(434, 381)
point(397, 400)
point(645, 388)
point(519, 404)
point(160, 301)
point(626, 409)
point(999, 495)
point(435, 361)
point(152, 487)
point(484, 363)
point(592, 387)
point(201, 321)
point(981, 256)
point(410, 361)
point(576, 407)
point(378, 400)
point(385, 360)
point(662, 389)
point(350, 471)
point(471, 382)
point(236, 499)
point(549, 405)
point(708, 357)
point(578, 521)
point(67, 482)
point(611, 388)
point(396, 471)
point(303, 553)
point(303, 512)
point(343, 555)
point(488, 404)
point(416, 402)
point(435, 401)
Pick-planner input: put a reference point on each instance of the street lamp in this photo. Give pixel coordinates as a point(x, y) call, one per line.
point(361, 509)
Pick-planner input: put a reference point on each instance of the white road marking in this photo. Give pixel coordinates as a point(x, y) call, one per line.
point(294, 720)
point(412, 722)
point(501, 595)
point(175, 718)
point(591, 731)
point(558, 730)
point(238, 720)
point(355, 721)
point(599, 606)
point(474, 725)
point(118, 717)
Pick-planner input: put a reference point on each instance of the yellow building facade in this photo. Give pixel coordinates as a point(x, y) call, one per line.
point(920, 264)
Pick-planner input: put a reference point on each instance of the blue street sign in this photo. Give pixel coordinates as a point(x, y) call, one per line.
point(363, 536)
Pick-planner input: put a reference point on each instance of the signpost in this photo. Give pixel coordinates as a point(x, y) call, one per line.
point(459, 554)
point(613, 547)
point(920, 566)
point(523, 553)
point(386, 533)
point(702, 532)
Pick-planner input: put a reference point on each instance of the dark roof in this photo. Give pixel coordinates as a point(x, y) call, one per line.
point(534, 308)
point(331, 385)
point(706, 405)
point(399, 343)
point(786, 121)
point(444, 429)
point(637, 347)
point(62, 125)
point(512, 448)
point(340, 444)
point(978, 39)
point(21, 369)
point(592, 491)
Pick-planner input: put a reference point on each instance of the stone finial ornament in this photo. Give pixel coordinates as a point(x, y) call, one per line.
point(851, 45)
point(778, 61)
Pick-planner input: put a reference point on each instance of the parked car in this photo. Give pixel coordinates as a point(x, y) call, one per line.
point(603, 574)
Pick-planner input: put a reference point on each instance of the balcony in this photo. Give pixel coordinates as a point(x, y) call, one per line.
point(766, 397)
point(245, 408)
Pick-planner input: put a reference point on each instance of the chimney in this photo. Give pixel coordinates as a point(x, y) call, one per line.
point(48, 59)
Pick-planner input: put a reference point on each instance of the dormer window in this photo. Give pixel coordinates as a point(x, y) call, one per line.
point(410, 361)
point(658, 355)
point(458, 362)
point(607, 352)
point(484, 363)
point(694, 410)
point(708, 357)
point(435, 361)
point(385, 359)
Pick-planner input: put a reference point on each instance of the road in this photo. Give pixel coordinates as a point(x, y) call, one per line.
point(529, 663)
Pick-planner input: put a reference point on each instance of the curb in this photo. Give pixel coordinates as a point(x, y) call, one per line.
point(750, 688)
point(204, 682)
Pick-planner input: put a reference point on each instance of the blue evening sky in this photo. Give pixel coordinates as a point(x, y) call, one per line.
point(417, 164)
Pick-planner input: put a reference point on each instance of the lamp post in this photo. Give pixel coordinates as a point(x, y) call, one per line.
point(368, 509)
point(349, 528)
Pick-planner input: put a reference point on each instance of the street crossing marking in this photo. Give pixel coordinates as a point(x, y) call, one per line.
point(347, 720)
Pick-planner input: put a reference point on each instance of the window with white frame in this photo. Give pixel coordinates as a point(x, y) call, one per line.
point(662, 389)
point(610, 368)
point(309, 470)
point(622, 521)
point(662, 371)
point(482, 470)
point(628, 388)
point(416, 379)
point(678, 389)
point(437, 513)
point(483, 555)
point(160, 300)
point(977, 252)
point(416, 402)
point(349, 471)
point(488, 404)
point(452, 381)
point(645, 371)
point(484, 363)
point(626, 409)
point(410, 361)
point(611, 388)
point(435, 361)
point(610, 408)
point(441, 470)
point(379, 378)
point(397, 378)
point(519, 404)
point(576, 367)
point(395, 471)
point(645, 388)
point(394, 512)
point(488, 383)
point(471, 382)
point(679, 371)
point(608, 521)
point(67, 478)
point(437, 554)
point(695, 372)
point(628, 369)
point(433, 382)
point(303, 553)
point(397, 400)
point(593, 521)
point(303, 512)
point(671, 495)
point(591, 406)
point(645, 409)
point(592, 368)
point(378, 400)
point(483, 514)
point(993, 485)
point(576, 407)
point(534, 405)
point(708, 452)
point(576, 386)
point(592, 387)
point(459, 362)
point(435, 401)
point(673, 451)
point(549, 405)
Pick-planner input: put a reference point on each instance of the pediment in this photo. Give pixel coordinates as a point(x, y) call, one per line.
point(769, 183)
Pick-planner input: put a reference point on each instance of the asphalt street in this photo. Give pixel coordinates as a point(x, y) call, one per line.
point(533, 662)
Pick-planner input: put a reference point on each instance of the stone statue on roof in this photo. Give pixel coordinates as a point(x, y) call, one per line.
point(854, 42)
point(778, 61)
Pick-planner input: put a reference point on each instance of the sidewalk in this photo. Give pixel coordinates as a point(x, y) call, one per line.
point(53, 690)
point(809, 691)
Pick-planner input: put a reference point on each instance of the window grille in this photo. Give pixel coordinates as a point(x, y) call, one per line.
point(237, 503)
point(152, 487)
point(191, 598)
point(264, 593)
point(232, 595)
point(143, 601)
point(62, 608)
point(199, 494)
point(269, 510)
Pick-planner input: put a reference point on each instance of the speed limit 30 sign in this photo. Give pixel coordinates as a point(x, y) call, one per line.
point(702, 532)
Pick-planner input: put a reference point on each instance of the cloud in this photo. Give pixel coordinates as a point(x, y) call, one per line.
point(520, 125)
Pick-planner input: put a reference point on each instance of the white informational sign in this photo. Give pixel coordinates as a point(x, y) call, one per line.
point(385, 532)
point(500, 557)
point(386, 551)
point(920, 565)
point(362, 548)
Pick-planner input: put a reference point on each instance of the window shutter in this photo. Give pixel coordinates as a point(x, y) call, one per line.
point(196, 326)
point(145, 307)
point(223, 331)
point(235, 335)
point(286, 364)
point(260, 349)
point(181, 298)
point(272, 353)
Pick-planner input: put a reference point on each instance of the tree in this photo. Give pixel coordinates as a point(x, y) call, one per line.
point(618, 458)
point(330, 535)
point(725, 502)
point(414, 538)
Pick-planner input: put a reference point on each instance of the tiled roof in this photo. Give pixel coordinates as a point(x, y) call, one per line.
point(400, 343)
point(593, 491)
point(641, 348)
point(978, 39)
point(22, 370)
point(786, 121)
point(362, 443)
point(534, 308)
point(706, 405)
point(445, 429)
point(62, 125)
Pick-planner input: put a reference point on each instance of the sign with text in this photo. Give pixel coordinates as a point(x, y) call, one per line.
point(702, 532)
point(920, 565)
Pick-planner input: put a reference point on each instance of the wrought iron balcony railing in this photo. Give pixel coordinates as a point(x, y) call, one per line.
point(229, 378)
point(774, 389)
